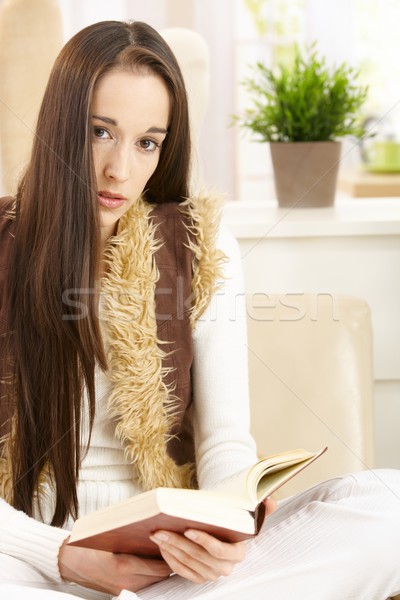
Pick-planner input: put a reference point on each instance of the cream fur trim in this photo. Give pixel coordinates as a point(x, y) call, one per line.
point(204, 213)
point(140, 400)
point(11, 212)
point(6, 470)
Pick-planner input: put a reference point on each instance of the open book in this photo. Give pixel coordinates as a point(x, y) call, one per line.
point(232, 511)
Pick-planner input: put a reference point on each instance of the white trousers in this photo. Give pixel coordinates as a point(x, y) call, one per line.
point(339, 540)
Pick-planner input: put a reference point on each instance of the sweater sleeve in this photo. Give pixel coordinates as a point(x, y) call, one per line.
point(220, 377)
point(31, 541)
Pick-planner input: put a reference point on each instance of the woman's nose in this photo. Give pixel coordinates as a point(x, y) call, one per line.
point(117, 166)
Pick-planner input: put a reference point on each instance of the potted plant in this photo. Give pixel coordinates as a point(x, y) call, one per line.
point(302, 111)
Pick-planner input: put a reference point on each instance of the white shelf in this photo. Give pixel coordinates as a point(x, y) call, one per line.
point(348, 217)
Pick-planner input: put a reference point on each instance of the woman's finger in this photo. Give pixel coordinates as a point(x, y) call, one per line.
point(202, 545)
point(195, 572)
point(221, 550)
point(270, 506)
point(200, 553)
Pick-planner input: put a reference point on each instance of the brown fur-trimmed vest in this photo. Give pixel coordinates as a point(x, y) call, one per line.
point(163, 267)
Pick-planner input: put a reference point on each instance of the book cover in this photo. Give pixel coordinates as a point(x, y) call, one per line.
point(232, 511)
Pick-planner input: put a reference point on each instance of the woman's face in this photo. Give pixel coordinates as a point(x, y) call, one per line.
point(130, 115)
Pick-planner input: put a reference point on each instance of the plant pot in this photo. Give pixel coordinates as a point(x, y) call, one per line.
point(305, 173)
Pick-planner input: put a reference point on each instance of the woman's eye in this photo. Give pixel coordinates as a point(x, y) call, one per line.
point(100, 132)
point(148, 145)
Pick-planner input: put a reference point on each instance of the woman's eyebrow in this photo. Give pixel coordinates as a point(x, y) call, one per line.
point(157, 130)
point(105, 120)
point(110, 121)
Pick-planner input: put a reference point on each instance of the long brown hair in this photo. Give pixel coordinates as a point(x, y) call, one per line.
point(54, 345)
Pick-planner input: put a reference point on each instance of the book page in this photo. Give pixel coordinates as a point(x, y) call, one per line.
point(248, 487)
point(275, 477)
point(234, 490)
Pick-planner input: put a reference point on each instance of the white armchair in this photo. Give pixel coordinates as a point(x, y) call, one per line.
point(192, 54)
point(31, 35)
point(311, 380)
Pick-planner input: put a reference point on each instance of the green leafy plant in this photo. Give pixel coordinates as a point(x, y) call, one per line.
point(305, 102)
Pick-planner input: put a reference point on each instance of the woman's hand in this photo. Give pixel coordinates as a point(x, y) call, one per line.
point(108, 572)
point(196, 556)
point(200, 557)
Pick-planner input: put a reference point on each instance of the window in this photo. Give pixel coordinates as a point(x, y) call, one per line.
point(265, 30)
point(362, 32)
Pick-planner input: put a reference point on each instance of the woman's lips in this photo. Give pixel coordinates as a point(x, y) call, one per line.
point(110, 200)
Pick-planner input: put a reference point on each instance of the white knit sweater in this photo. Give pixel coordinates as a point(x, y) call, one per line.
point(221, 422)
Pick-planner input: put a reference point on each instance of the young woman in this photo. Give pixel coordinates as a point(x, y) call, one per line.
point(121, 368)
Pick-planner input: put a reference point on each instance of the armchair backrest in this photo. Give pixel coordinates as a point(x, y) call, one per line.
point(192, 54)
point(311, 381)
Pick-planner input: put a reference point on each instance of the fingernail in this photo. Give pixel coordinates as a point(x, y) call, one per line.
point(190, 534)
point(159, 537)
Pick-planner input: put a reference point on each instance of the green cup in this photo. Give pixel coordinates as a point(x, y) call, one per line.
point(383, 157)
